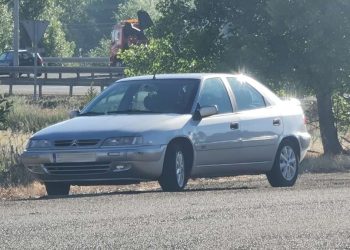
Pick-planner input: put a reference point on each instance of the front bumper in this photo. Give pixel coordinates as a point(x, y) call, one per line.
point(96, 166)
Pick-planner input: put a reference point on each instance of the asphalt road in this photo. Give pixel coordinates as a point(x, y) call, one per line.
point(233, 213)
point(47, 90)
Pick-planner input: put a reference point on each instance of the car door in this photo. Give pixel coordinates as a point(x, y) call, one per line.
point(260, 123)
point(216, 138)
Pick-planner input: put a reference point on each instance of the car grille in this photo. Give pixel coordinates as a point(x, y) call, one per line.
point(76, 143)
point(77, 168)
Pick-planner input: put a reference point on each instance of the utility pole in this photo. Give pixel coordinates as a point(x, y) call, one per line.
point(15, 39)
point(16, 32)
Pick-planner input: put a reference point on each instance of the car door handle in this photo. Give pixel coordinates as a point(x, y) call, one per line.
point(234, 126)
point(276, 122)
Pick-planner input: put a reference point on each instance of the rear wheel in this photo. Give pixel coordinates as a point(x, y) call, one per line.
point(284, 172)
point(55, 188)
point(175, 169)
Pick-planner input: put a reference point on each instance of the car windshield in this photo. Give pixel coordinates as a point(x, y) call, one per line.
point(146, 96)
point(3, 56)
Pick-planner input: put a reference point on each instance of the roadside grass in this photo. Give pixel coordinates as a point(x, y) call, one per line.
point(25, 118)
point(325, 164)
point(29, 116)
point(12, 171)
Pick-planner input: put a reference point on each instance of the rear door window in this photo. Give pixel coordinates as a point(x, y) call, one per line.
point(247, 97)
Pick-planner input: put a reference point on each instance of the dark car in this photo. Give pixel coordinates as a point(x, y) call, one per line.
point(25, 58)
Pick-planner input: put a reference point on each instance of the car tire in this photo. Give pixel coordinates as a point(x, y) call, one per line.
point(284, 172)
point(176, 167)
point(56, 188)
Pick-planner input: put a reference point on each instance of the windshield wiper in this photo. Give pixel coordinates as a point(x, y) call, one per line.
point(133, 111)
point(91, 113)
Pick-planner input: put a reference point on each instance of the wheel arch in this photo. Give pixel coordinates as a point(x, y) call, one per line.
point(188, 147)
point(294, 140)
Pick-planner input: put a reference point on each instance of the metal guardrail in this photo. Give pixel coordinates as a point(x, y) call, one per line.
point(60, 76)
point(81, 60)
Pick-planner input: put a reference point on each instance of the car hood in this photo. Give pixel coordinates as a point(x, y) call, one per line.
point(4, 63)
point(112, 125)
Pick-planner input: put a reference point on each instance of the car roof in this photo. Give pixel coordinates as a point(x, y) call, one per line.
point(267, 93)
point(198, 76)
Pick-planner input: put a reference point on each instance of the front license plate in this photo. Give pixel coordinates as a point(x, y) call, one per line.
point(75, 157)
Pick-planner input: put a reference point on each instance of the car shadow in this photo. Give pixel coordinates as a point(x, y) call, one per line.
point(139, 192)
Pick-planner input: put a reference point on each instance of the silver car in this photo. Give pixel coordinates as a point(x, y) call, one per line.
point(171, 128)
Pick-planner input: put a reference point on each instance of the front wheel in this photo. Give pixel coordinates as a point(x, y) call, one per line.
point(284, 172)
point(175, 169)
point(56, 188)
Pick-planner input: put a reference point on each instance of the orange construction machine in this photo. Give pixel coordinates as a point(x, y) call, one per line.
point(128, 32)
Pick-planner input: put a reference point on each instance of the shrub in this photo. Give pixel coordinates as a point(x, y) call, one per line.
point(5, 107)
point(12, 171)
point(90, 94)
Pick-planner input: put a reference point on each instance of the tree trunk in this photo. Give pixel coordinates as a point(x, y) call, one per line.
point(329, 133)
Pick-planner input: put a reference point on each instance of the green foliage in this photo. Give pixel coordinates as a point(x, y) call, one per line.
point(5, 27)
point(24, 115)
point(128, 9)
point(159, 57)
point(54, 41)
point(310, 41)
point(102, 50)
point(5, 107)
point(341, 107)
point(90, 94)
point(89, 21)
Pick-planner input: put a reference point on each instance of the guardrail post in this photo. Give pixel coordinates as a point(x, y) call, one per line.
point(13, 78)
point(71, 90)
point(10, 89)
point(40, 90)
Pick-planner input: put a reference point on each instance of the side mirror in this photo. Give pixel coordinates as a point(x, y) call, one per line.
point(205, 112)
point(74, 113)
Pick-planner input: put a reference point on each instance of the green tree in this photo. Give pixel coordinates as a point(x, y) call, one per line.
point(102, 50)
point(311, 47)
point(94, 21)
point(159, 57)
point(54, 41)
point(128, 9)
point(6, 27)
point(304, 43)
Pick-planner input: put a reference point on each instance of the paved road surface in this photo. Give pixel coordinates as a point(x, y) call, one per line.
point(48, 90)
point(225, 214)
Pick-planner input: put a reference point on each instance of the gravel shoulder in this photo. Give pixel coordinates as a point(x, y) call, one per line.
point(225, 213)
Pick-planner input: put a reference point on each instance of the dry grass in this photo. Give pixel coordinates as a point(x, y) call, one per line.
point(30, 117)
point(316, 162)
point(325, 164)
point(33, 190)
point(12, 171)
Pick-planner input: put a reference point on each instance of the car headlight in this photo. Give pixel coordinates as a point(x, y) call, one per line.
point(39, 144)
point(123, 141)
